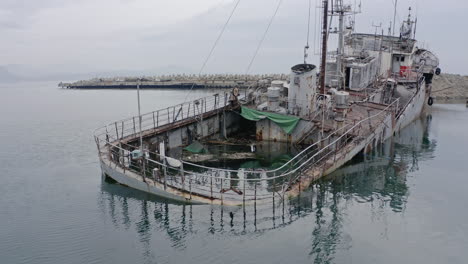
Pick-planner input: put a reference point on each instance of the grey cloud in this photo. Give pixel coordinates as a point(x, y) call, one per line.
point(185, 44)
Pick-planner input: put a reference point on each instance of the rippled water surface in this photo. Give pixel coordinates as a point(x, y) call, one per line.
point(404, 203)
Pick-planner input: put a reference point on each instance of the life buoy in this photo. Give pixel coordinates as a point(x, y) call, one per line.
point(430, 101)
point(235, 91)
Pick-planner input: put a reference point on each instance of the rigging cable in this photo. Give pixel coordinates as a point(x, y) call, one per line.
point(214, 46)
point(308, 23)
point(263, 37)
point(315, 29)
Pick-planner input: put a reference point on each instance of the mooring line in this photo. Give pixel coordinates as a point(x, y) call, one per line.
point(213, 47)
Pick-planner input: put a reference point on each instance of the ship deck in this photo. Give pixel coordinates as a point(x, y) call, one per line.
point(363, 126)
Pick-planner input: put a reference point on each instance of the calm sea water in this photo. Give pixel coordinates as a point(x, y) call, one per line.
point(404, 203)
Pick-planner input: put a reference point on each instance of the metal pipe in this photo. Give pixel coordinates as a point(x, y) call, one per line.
point(339, 58)
point(324, 46)
point(394, 17)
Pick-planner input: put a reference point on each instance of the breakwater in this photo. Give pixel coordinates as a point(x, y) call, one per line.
point(445, 86)
point(179, 81)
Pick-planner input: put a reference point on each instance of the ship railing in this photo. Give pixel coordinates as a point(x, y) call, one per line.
point(242, 184)
point(152, 121)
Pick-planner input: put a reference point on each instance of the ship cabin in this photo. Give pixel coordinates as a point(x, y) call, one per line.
point(367, 57)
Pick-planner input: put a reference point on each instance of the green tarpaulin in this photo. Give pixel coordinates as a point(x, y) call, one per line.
point(287, 123)
point(196, 147)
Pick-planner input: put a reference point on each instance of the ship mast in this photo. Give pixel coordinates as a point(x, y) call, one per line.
point(394, 17)
point(341, 10)
point(324, 46)
point(339, 57)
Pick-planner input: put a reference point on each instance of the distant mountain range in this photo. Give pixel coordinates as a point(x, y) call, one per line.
point(6, 76)
point(19, 73)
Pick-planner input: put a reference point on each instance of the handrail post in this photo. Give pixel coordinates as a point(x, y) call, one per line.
point(190, 187)
point(243, 192)
point(168, 115)
point(173, 114)
point(116, 130)
point(215, 98)
point(211, 187)
point(154, 122)
point(188, 110)
point(222, 185)
point(165, 177)
point(182, 175)
point(274, 187)
point(255, 193)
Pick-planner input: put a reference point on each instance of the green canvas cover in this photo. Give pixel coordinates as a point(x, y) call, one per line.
point(287, 123)
point(196, 147)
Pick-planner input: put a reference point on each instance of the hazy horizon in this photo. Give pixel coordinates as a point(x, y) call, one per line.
point(83, 39)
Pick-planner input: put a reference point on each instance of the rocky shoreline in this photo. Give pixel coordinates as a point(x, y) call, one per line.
point(450, 87)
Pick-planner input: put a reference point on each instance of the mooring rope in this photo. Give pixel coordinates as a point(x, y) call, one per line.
point(213, 47)
point(263, 37)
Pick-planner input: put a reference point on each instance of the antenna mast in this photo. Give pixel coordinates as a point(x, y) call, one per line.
point(394, 17)
point(308, 32)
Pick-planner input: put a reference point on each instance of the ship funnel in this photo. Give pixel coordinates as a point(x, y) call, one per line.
point(302, 90)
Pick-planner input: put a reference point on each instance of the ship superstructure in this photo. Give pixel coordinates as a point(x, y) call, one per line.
point(373, 86)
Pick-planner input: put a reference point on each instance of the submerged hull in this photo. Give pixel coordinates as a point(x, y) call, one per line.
point(390, 123)
point(412, 111)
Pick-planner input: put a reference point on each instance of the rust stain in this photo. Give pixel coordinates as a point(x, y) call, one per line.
point(259, 135)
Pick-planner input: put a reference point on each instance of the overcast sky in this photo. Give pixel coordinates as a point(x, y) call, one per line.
point(158, 36)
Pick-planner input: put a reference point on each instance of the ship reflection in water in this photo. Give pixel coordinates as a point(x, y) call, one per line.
point(378, 179)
